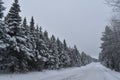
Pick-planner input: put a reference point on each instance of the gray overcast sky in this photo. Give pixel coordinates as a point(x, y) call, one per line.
point(80, 22)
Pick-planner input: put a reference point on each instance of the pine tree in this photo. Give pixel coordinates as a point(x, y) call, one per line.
point(64, 44)
point(37, 33)
point(78, 58)
point(32, 27)
point(24, 22)
point(46, 38)
point(43, 54)
point(2, 8)
point(63, 57)
point(4, 43)
point(109, 48)
point(75, 57)
point(13, 18)
point(26, 27)
point(41, 33)
point(53, 62)
point(106, 45)
point(111, 40)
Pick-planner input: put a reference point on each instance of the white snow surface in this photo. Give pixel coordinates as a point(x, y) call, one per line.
point(93, 71)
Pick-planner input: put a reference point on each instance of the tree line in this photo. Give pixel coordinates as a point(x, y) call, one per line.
point(26, 47)
point(110, 54)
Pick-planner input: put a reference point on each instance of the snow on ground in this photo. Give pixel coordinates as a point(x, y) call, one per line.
point(93, 71)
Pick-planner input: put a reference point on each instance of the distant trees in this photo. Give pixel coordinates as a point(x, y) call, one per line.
point(26, 47)
point(86, 59)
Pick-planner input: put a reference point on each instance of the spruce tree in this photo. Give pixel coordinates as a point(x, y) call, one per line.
point(53, 62)
point(13, 18)
point(26, 27)
point(2, 8)
point(62, 55)
point(32, 26)
point(46, 38)
point(75, 57)
point(109, 47)
point(110, 53)
point(65, 44)
point(37, 33)
point(24, 22)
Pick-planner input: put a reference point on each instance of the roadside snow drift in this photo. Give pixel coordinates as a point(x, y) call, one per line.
point(93, 71)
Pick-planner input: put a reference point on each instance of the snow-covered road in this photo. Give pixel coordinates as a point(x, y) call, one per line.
point(93, 71)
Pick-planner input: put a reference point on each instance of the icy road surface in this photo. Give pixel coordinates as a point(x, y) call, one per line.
point(93, 71)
